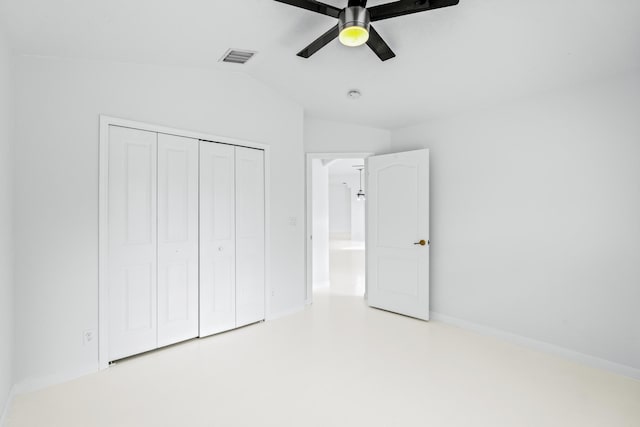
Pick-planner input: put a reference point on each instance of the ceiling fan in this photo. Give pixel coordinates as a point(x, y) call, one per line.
point(354, 22)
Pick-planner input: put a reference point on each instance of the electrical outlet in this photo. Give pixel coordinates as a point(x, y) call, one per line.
point(88, 336)
point(293, 221)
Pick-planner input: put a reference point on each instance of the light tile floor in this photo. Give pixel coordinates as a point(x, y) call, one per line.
point(340, 363)
point(346, 267)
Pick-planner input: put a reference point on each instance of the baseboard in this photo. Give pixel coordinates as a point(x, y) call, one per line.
point(38, 383)
point(566, 353)
point(285, 313)
point(7, 406)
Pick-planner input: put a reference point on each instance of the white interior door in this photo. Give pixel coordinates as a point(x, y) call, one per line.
point(177, 239)
point(250, 249)
point(398, 233)
point(217, 238)
point(132, 242)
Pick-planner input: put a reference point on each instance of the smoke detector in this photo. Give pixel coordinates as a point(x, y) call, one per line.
point(354, 94)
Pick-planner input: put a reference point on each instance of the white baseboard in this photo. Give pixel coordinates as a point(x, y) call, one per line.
point(38, 383)
point(34, 384)
point(566, 353)
point(7, 406)
point(280, 314)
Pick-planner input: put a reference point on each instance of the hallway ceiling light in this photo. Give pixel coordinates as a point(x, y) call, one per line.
point(360, 196)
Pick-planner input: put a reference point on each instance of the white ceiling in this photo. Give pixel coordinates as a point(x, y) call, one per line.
point(345, 167)
point(477, 54)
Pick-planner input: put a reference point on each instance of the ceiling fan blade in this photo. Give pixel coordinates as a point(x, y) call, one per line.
point(405, 7)
point(379, 46)
point(320, 42)
point(314, 6)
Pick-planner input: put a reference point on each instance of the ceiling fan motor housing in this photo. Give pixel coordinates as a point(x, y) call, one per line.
point(354, 16)
point(354, 22)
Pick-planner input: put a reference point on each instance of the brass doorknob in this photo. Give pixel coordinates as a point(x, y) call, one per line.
point(421, 243)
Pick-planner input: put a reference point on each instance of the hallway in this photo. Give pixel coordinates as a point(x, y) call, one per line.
point(347, 267)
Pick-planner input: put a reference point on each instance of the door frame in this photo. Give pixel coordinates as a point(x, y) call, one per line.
point(103, 209)
point(309, 212)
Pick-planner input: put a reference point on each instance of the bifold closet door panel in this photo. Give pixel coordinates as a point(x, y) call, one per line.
point(132, 242)
point(177, 239)
point(217, 238)
point(250, 251)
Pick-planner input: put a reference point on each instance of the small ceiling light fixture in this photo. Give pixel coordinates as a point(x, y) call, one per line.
point(354, 94)
point(354, 22)
point(360, 196)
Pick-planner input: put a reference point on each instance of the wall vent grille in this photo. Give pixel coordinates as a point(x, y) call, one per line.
point(236, 56)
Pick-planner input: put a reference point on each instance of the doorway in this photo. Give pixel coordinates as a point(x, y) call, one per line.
point(336, 231)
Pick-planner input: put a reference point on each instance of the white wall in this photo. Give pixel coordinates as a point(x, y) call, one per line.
point(339, 210)
point(6, 235)
point(535, 213)
point(58, 103)
point(325, 136)
point(357, 216)
point(320, 226)
point(355, 209)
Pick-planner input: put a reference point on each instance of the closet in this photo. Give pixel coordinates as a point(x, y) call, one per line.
point(231, 237)
point(185, 239)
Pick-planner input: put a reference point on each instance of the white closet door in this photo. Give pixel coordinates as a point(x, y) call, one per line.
point(177, 239)
point(132, 242)
point(249, 236)
point(217, 239)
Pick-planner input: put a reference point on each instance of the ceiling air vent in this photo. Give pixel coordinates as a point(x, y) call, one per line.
point(236, 56)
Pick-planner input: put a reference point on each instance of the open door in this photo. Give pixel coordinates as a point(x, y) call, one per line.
point(398, 233)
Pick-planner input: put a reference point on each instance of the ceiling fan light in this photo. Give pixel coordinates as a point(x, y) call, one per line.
point(354, 36)
point(354, 24)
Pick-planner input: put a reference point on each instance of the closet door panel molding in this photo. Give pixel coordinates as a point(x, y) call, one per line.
point(250, 236)
point(177, 239)
point(217, 238)
point(132, 242)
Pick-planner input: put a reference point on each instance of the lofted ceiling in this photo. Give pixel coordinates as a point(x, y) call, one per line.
point(474, 55)
point(345, 166)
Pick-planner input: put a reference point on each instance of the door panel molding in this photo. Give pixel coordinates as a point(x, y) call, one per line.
point(178, 198)
point(131, 242)
point(397, 218)
point(217, 238)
